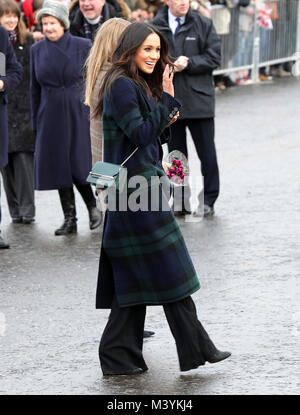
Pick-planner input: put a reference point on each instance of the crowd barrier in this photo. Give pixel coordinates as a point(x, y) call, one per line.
point(262, 34)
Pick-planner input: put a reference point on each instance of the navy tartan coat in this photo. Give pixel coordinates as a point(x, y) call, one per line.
point(13, 76)
point(59, 117)
point(143, 259)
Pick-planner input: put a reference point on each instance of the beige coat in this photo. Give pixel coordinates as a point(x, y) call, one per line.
point(96, 123)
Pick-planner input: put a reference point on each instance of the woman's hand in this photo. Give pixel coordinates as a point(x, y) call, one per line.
point(173, 119)
point(1, 84)
point(168, 81)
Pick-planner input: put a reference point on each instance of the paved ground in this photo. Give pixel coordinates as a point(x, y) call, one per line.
point(247, 258)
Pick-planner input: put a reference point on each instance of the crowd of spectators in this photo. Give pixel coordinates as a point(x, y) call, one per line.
point(235, 21)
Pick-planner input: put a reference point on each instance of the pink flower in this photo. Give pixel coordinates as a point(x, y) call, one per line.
point(175, 171)
point(175, 162)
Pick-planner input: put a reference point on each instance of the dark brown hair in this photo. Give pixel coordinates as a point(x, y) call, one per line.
point(123, 63)
point(10, 6)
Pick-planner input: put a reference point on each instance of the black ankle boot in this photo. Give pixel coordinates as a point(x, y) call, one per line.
point(95, 216)
point(217, 356)
point(3, 244)
point(209, 350)
point(69, 226)
point(67, 200)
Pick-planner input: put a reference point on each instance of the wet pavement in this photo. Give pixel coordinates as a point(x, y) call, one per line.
point(246, 256)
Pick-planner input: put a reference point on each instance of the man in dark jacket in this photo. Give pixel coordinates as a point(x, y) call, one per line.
point(10, 76)
point(195, 46)
point(86, 16)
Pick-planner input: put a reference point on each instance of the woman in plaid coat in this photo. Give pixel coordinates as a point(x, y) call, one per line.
point(144, 260)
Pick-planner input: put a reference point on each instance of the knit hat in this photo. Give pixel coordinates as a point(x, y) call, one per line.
point(56, 9)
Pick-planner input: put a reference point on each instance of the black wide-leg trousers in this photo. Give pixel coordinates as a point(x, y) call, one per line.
point(121, 345)
point(19, 185)
point(202, 132)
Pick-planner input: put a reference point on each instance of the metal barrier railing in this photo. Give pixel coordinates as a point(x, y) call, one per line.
point(262, 34)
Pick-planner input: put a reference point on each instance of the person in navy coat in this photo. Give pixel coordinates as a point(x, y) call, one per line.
point(60, 119)
point(10, 77)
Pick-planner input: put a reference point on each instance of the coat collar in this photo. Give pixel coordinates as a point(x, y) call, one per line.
point(108, 11)
point(148, 101)
point(61, 45)
point(62, 41)
point(162, 19)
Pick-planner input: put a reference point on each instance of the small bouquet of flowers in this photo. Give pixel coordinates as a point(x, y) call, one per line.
point(176, 167)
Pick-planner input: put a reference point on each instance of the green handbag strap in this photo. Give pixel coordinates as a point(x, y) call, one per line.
point(122, 164)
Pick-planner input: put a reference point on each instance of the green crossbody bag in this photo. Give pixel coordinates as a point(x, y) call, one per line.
point(104, 175)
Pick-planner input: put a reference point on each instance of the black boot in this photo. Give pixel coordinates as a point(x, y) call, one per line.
point(209, 350)
point(3, 244)
point(95, 215)
point(67, 200)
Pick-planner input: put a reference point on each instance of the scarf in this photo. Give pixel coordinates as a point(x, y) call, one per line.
point(89, 29)
point(13, 36)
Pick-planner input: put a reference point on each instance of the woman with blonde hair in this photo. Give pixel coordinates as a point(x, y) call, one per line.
point(97, 64)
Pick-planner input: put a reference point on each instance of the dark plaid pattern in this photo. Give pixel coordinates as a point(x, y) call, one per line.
point(13, 36)
point(89, 30)
point(143, 259)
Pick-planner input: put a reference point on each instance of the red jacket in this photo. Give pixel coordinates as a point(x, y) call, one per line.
point(26, 6)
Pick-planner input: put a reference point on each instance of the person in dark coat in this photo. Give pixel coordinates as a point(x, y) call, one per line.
point(18, 173)
point(61, 120)
point(98, 63)
point(195, 46)
point(10, 77)
point(144, 260)
point(86, 16)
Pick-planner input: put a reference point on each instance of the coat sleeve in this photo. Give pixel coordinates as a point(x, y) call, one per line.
point(210, 59)
point(125, 109)
point(35, 90)
point(165, 136)
point(13, 68)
